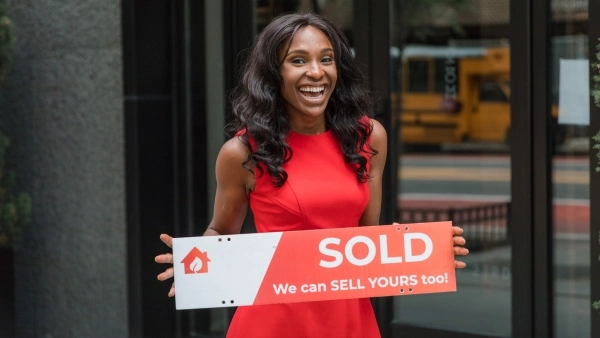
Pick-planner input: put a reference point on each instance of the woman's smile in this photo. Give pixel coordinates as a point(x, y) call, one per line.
point(309, 77)
point(312, 92)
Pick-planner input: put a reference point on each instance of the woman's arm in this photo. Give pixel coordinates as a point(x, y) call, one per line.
point(379, 142)
point(234, 184)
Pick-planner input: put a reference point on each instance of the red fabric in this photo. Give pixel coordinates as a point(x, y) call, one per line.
point(322, 191)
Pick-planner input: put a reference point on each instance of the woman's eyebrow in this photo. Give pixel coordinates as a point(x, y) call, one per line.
point(302, 51)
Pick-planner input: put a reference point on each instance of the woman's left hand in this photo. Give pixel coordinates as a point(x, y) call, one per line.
point(459, 249)
point(458, 242)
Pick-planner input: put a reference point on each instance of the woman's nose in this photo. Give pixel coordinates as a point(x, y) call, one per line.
point(315, 70)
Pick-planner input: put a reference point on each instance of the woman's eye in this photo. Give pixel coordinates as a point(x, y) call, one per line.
point(298, 60)
point(327, 59)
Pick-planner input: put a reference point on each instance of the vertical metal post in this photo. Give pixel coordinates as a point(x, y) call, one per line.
point(182, 129)
point(186, 79)
point(541, 135)
point(134, 249)
point(531, 170)
point(521, 216)
point(372, 45)
point(175, 160)
point(594, 35)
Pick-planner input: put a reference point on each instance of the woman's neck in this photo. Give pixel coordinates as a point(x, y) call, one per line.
point(309, 131)
point(315, 128)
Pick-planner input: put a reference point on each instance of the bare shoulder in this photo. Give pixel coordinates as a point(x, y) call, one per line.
point(234, 150)
point(231, 158)
point(378, 135)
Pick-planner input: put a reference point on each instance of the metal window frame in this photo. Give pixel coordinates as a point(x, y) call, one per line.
point(531, 170)
point(593, 35)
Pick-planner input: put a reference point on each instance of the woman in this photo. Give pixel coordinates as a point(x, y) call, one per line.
point(305, 156)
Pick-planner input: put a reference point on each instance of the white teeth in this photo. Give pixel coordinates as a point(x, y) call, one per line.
point(312, 89)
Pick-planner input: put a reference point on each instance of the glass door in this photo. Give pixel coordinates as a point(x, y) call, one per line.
point(450, 95)
point(570, 99)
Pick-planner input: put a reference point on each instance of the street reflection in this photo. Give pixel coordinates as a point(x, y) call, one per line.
point(443, 184)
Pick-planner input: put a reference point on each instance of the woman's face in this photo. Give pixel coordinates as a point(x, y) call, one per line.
point(309, 76)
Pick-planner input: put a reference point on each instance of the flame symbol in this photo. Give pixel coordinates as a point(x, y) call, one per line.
point(196, 265)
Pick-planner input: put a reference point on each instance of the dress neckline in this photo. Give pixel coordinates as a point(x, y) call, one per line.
point(296, 134)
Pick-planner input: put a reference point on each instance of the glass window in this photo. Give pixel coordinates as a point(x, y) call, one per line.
point(492, 91)
point(418, 76)
point(570, 94)
point(456, 166)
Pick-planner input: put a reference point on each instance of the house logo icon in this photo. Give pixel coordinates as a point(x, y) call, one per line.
point(195, 261)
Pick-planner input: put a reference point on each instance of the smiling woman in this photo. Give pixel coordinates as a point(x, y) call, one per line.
point(293, 51)
point(304, 155)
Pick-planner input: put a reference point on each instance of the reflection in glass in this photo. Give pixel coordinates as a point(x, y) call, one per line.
point(451, 101)
point(571, 200)
point(339, 11)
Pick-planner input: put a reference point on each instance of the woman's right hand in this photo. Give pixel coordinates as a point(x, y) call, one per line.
point(166, 259)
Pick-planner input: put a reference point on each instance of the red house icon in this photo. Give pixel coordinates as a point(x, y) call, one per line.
point(196, 261)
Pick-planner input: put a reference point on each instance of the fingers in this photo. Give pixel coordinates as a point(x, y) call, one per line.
point(164, 258)
point(168, 240)
point(172, 291)
point(165, 275)
point(459, 240)
point(460, 251)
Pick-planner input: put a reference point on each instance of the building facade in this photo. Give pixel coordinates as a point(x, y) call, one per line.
point(116, 112)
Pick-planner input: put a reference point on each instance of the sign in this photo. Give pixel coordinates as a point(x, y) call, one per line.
point(300, 266)
point(574, 92)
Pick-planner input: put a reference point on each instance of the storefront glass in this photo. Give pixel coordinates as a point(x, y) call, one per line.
point(451, 99)
point(570, 97)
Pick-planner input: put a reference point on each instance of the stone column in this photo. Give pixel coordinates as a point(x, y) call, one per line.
point(62, 106)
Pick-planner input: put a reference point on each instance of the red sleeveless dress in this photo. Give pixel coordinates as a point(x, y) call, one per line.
point(321, 192)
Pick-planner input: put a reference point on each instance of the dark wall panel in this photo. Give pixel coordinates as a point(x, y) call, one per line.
point(164, 75)
point(156, 211)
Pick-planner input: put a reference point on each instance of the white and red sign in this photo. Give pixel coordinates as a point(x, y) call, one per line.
point(299, 266)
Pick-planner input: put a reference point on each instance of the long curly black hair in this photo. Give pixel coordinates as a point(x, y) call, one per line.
point(259, 108)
